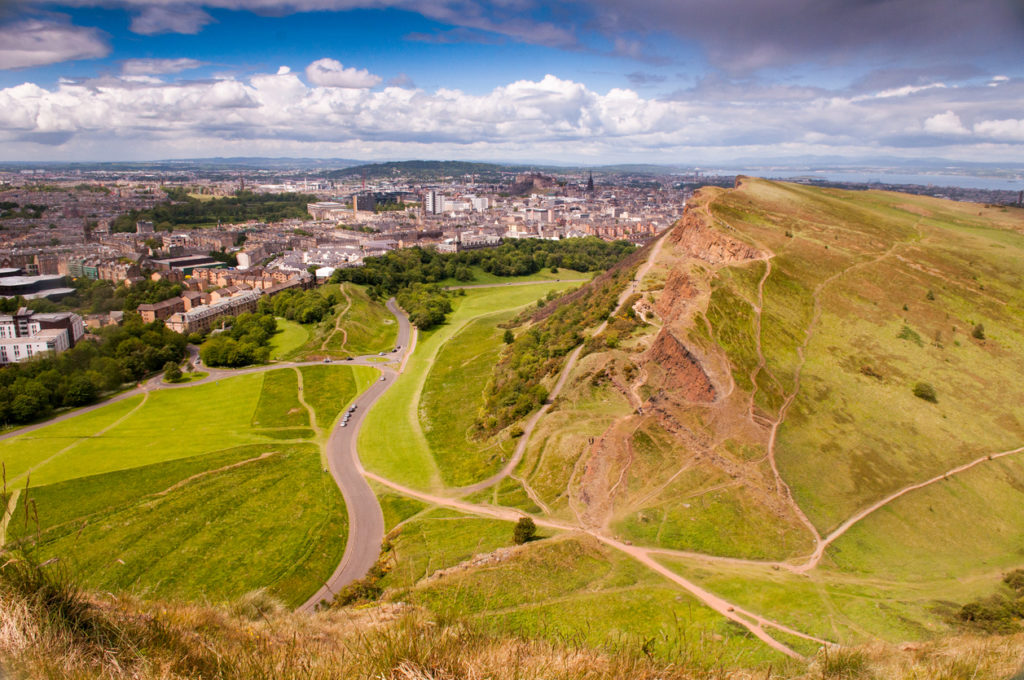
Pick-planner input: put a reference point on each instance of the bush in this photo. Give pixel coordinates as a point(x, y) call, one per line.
point(925, 391)
point(978, 332)
point(525, 531)
point(172, 372)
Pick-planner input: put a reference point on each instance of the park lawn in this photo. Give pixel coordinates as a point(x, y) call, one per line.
point(460, 372)
point(33, 449)
point(391, 442)
point(276, 522)
point(480, 277)
point(329, 389)
point(290, 336)
point(173, 423)
point(279, 404)
point(572, 587)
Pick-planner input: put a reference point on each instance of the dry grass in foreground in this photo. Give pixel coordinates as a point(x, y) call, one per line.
point(51, 629)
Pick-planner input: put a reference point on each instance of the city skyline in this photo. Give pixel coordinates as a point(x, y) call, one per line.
point(587, 82)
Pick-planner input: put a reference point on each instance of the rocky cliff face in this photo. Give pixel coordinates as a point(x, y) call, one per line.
point(681, 372)
point(710, 245)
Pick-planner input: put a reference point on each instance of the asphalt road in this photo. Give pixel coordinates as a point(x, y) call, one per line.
point(365, 519)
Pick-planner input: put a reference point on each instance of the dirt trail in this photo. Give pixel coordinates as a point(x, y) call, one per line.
point(819, 552)
point(301, 394)
point(749, 620)
point(337, 323)
point(205, 473)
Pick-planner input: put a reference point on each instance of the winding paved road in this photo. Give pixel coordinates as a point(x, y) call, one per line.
point(365, 518)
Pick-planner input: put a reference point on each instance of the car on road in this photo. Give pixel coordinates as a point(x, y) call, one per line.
point(381, 354)
point(348, 358)
point(343, 424)
point(382, 378)
point(327, 360)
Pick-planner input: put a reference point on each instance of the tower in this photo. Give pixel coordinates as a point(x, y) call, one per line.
point(590, 182)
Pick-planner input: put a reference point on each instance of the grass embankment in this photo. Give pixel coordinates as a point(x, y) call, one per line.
point(290, 336)
point(392, 442)
point(178, 498)
point(482, 278)
point(461, 370)
point(357, 326)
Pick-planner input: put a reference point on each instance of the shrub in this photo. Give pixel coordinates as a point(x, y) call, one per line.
point(923, 390)
point(978, 332)
point(172, 372)
point(525, 531)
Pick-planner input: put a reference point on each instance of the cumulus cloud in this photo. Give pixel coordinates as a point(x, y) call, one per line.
point(140, 67)
point(331, 73)
point(947, 123)
point(37, 42)
point(565, 118)
point(1011, 130)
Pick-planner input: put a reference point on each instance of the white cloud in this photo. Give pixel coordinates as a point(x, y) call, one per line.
point(331, 73)
point(156, 19)
point(112, 117)
point(1006, 130)
point(138, 67)
point(37, 42)
point(947, 123)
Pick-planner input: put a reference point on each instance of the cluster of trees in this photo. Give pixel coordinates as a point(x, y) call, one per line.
point(302, 306)
point(1001, 612)
point(519, 257)
point(516, 387)
point(426, 304)
point(187, 211)
point(32, 389)
point(246, 342)
point(11, 209)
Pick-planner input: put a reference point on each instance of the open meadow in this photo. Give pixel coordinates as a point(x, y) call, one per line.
point(207, 492)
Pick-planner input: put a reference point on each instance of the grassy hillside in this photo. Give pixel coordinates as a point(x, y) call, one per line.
point(205, 492)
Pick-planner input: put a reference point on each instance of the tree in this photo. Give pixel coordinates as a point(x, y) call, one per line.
point(80, 391)
point(525, 531)
point(978, 332)
point(509, 337)
point(172, 372)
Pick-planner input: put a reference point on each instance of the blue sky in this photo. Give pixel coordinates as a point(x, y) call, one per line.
point(681, 81)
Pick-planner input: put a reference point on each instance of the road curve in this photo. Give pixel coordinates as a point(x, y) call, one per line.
point(365, 518)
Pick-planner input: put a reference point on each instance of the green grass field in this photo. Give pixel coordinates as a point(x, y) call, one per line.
point(480, 277)
point(203, 492)
point(461, 369)
point(392, 442)
point(290, 336)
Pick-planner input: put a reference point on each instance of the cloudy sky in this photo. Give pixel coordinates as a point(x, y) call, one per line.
point(590, 81)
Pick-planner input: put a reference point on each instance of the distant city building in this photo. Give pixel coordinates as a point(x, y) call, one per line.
point(32, 287)
point(26, 334)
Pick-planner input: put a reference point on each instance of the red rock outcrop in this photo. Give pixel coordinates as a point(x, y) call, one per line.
point(681, 373)
point(704, 243)
point(678, 291)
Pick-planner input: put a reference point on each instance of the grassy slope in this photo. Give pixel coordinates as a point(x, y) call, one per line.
point(856, 250)
point(459, 374)
point(364, 327)
point(391, 442)
point(276, 521)
point(290, 336)
point(855, 432)
point(571, 587)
